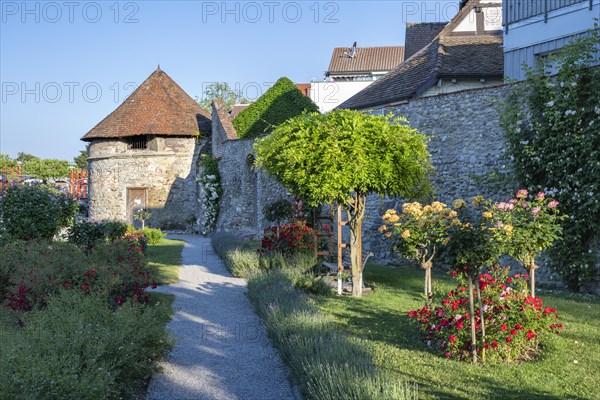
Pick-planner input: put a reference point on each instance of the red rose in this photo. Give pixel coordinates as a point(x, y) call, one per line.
point(448, 355)
point(508, 339)
point(530, 334)
point(495, 344)
point(503, 327)
point(452, 339)
point(513, 332)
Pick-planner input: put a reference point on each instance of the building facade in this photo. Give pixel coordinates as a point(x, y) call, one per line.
point(535, 29)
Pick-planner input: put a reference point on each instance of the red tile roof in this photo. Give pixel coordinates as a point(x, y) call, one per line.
point(366, 59)
point(159, 106)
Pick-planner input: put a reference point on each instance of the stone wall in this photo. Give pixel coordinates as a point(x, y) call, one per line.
point(466, 144)
point(245, 190)
point(167, 171)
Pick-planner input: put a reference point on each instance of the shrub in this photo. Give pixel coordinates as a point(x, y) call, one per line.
point(35, 212)
point(278, 104)
point(514, 322)
point(86, 233)
point(288, 239)
point(79, 348)
point(32, 272)
point(324, 362)
point(152, 235)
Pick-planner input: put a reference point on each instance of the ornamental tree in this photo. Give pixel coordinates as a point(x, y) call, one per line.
point(343, 156)
point(534, 226)
point(472, 245)
point(419, 233)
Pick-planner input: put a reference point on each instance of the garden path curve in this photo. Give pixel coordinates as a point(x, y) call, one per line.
point(222, 350)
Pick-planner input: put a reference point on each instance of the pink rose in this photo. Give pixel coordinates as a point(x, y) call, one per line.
point(553, 204)
point(521, 194)
point(540, 196)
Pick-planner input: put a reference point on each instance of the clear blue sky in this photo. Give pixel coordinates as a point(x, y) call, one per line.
point(66, 65)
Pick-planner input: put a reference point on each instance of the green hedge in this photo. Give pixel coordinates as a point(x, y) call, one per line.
point(278, 104)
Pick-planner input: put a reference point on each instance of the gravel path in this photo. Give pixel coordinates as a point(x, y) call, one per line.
point(222, 350)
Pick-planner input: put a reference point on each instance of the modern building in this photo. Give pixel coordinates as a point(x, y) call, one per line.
point(534, 29)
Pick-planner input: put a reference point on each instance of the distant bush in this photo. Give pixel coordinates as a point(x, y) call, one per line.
point(79, 348)
point(278, 104)
point(153, 235)
point(35, 212)
point(86, 233)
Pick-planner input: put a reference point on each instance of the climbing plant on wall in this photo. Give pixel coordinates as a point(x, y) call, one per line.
point(552, 124)
point(210, 187)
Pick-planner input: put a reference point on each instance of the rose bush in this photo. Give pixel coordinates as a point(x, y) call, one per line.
point(516, 324)
point(288, 239)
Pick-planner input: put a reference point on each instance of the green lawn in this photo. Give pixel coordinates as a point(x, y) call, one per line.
point(568, 369)
point(165, 259)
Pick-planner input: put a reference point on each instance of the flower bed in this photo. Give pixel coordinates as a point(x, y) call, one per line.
point(514, 323)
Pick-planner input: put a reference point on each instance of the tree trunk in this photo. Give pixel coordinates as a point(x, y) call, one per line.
point(426, 265)
point(532, 279)
point(472, 310)
point(355, 257)
point(357, 212)
point(482, 318)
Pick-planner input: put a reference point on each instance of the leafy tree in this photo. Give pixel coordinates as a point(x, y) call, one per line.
point(24, 157)
point(221, 91)
point(278, 104)
point(343, 156)
point(82, 159)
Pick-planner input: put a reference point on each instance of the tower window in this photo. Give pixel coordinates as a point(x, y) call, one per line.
point(138, 143)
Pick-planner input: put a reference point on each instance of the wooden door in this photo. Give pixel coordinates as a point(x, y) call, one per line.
point(136, 200)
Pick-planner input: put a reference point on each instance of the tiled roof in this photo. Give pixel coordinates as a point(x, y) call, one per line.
point(366, 59)
point(159, 106)
point(445, 56)
point(223, 118)
point(419, 35)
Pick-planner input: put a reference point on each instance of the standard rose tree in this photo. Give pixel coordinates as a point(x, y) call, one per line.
point(529, 225)
point(419, 233)
point(343, 156)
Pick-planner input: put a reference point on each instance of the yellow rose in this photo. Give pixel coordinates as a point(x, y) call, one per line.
point(452, 214)
point(437, 206)
point(382, 228)
point(487, 215)
point(394, 218)
point(477, 200)
point(388, 234)
point(508, 229)
point(405, 234)
point(459, 203)
point(427, 209)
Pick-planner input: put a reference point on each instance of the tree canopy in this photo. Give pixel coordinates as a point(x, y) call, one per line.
point(324, 158)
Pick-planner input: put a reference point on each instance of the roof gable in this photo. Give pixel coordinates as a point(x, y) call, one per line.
point(365, 59)
point(448, 54)
point(159, 106)
point(419, 35)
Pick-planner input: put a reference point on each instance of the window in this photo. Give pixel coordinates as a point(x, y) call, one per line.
point(138, 143)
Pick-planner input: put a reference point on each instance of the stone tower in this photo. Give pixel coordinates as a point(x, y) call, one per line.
point(143, 155)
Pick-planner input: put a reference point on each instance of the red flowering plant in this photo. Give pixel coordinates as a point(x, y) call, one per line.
point(515, 323)
point(471, 246)
point(288, 239)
